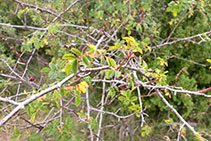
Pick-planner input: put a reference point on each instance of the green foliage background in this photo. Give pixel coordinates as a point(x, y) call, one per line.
point(147, 21)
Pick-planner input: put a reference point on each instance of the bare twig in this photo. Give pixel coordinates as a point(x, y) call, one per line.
point(88, 114)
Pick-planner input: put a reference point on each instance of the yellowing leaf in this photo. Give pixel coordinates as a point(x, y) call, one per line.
point(92, 47)
point(174, 13)
point(85, 84)
point(82, 88)
point(33, 117)
point(41, 98)
point(209, 60)
point(140, 50)
point(131, 39)
point(26, 93)
point(45, 41)
point(113, 48)
point(60, 129)
point(150, 49)
point(118, 20)
point(131, 2)
point(82, 20)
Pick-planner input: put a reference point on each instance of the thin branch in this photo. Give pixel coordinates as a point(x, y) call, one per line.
point(177, 114)
point(101, 114)
point(88, 114)
point(9, 101)
point(113, 114)
point(139, 98)
point(180, 40)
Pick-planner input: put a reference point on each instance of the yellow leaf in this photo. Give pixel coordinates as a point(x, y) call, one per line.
point(45, 41)
point(33, 117)
point(168, 94)
point(60, 129)
point(82, 88)
point(41, 98)
point(118, 20)
point(174, 14)
point(131, 2)
point(71, 9)
point(92, 47)
point(82, 20)
point(26, 93)
point(85, 84)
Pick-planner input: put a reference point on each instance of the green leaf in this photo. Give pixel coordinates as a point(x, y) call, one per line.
point(147, 40)
point(117, 74)
point(90, 58)
point(109, 73)
point(76, 51)
point(61, 75)
point(75, 66)
point(134, 98)
point(69, 56)
point(143, 134)
point(37, 45)
point(121, 98)
point(52, 66)
point(77, 100)
point(52, 74)
point(85, 60)
point(111, 62)
point(128, 93)
point(68, 68)
point(112, 94)
point(124, 93)
point(46, 69)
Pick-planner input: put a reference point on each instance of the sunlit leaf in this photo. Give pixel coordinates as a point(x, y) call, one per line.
point(69, 56)
point(113, 48)
point(33, 117)
point(76, 51)
point(92, 47)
